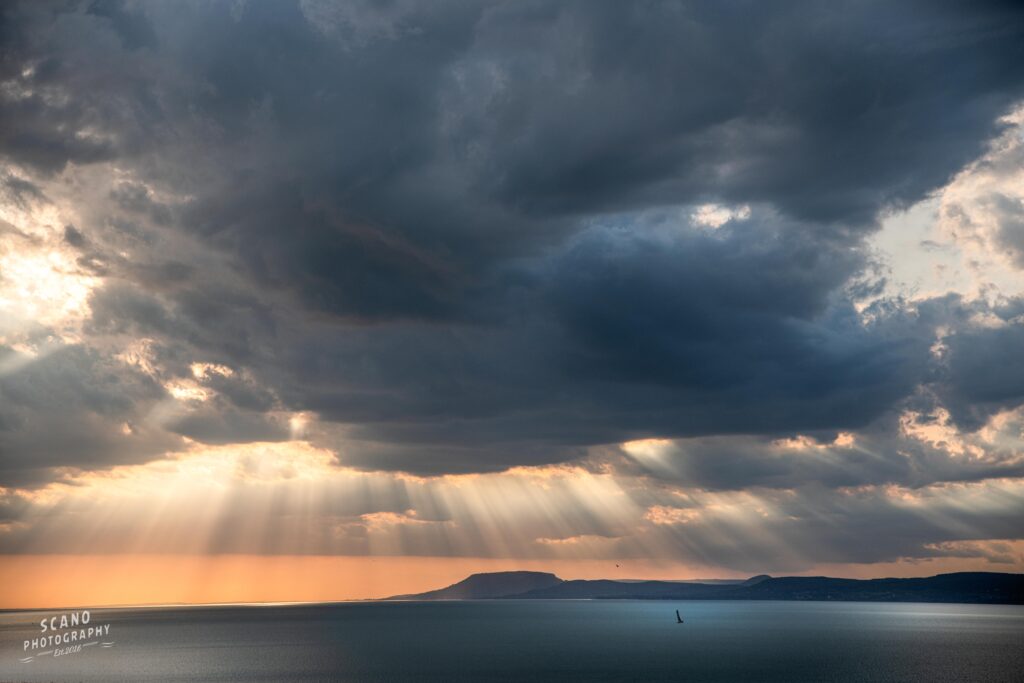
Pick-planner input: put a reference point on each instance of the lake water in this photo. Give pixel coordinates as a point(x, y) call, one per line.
point(536, 641)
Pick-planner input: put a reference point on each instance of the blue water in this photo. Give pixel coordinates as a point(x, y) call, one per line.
point(537, 641)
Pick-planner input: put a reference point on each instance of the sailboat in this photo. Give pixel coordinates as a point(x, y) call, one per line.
point(679, 619)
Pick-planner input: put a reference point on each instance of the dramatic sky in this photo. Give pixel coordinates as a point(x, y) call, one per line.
point(403, 290)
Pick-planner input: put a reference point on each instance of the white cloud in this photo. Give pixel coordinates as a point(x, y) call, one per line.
point(716, 215)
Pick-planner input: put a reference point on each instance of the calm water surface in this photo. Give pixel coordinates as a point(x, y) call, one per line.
point(537, 641)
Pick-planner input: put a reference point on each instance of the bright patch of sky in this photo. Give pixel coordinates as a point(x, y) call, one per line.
point(965, 237)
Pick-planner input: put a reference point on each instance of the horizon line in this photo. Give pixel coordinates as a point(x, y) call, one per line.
point(399, 597)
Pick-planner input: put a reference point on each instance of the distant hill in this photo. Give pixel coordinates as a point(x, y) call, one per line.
point(967, 587)
point(978, 587)
point(492, 585)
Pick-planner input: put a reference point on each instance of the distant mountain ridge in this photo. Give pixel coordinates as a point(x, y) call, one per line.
point(963, 587)
point(489, 585)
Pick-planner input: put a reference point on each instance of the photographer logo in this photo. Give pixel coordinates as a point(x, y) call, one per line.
point(65, 634)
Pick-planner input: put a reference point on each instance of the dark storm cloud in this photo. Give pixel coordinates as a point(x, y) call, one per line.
point(231, 326)
point(383, 177)
point(221, 423)
point(826, 114)
point(630, 334)
point(462, 233)
point(985, 373)
point(413, 164)
point(74, 407)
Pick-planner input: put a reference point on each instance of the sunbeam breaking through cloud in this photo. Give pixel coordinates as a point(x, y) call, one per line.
point(578, 285)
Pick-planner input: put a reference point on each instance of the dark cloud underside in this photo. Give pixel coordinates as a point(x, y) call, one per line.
point(461, 234)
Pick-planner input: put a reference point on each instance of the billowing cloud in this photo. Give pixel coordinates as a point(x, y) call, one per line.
point(459, 237)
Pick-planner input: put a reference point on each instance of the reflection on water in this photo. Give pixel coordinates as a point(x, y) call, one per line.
point(540, 641)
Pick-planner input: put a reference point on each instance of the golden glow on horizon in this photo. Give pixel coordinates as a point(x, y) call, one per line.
point(29, 581)
point(61, 581)
point(223, 517)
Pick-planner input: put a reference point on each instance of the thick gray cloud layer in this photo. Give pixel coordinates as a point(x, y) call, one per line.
point(461, 233)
